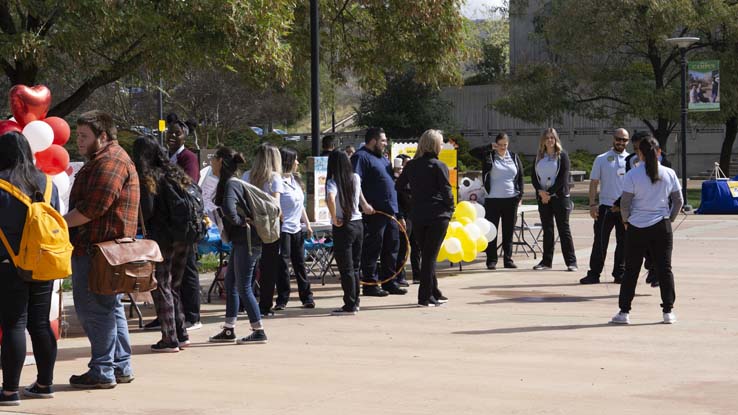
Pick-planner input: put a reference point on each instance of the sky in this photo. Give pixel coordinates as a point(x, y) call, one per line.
point(476, 9)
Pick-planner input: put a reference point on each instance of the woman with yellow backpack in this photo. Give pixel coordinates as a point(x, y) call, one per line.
point(25, 296)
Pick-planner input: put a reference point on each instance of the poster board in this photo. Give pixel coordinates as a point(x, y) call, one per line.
point(317, 174)
point(703, 86)
point(448, 156)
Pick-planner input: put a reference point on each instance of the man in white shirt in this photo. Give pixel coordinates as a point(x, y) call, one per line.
point(608, 172)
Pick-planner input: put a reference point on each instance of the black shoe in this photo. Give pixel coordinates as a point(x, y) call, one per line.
point(590, 280)
point(163, 347)
point(511, 265)
point(395, 290)
point(617, 280)
point(279, 307)
point(87, 381)
point(374, 291)
point(256, 337)
point(492, 266)
point(153, 325)
point(310, 304)
point(121, 378)
point(442, 299)
point(227, 335)
point(572, 268)
point(35, 391)
point(426, 304)
point(9, 400)
point(267, 314)
point(416, 281)
point(542, 267)
point(403, 283)
point(344, 312)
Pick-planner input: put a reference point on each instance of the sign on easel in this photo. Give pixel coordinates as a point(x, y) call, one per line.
point(317, 174)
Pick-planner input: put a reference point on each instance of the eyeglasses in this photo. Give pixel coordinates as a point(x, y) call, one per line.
point(621, 139)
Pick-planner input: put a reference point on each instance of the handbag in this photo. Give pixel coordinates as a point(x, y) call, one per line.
point(124, 265)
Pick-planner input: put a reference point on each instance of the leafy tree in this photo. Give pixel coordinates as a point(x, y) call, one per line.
point(494, 61)
point(405, 108)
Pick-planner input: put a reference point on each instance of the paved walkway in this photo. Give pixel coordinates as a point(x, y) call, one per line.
point(519, 342)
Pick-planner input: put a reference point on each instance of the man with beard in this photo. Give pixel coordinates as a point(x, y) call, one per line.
point(608, 170)
point(381, 234)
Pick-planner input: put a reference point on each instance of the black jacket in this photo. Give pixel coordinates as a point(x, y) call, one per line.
point(487, 155)
point(560, 187)
point(427, 180)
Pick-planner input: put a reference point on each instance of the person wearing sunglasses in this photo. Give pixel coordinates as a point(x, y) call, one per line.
point(607, 173)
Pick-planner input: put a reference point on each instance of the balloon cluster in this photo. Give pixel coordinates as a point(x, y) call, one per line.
point(468, 234)
point(46, 136)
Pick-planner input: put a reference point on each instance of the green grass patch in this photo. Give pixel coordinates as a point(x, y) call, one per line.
point(208, 263)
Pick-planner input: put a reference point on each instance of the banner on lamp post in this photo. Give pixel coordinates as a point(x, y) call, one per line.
point(703, 86)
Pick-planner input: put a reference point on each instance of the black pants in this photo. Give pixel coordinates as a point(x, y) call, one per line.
point(167, 295)
point(347, 241)
point(659, 240)
point(190, 290)
point(429, 236)
point(381, 241)
point(292, 249)
point(607, 220)
point(557, 210)
point(268, 269)
point(25, 305)
point(414, 253)
point(507, 210)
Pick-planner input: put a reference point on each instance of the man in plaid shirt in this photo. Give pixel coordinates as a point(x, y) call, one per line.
point(103, 206)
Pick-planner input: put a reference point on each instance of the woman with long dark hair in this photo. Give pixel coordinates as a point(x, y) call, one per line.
point(550, 180)
point(266, 174)
point(291, 241)
point(343, 197)
point(23, 305)
point(647, 215)
point(229, 197)
point(156, 175)
point(432, 207)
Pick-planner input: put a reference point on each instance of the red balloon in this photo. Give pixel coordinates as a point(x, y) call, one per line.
point(29, 103)
point(8, 126)
point(53, 160)
point(61, 130)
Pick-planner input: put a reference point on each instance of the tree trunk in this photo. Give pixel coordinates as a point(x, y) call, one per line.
point(661, 133)
point(726, 152)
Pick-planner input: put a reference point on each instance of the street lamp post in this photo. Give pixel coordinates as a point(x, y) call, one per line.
point(683, 43)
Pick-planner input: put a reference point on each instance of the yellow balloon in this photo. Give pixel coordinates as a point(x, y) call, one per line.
point(442, 255)
point(465, 221)
point(465, 210)
point(482, 243)
point(453, 226)
point(470, 254)
point(468, 245)
point(455, 258)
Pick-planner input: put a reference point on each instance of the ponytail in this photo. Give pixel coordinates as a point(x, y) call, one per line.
point(649, 149)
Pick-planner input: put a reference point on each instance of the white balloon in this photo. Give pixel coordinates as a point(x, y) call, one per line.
point(480, 210)
point(452, 245)
point(474, 232)
point(39, 135)
point(492, 234)
point(483, 225)
point(61, 181)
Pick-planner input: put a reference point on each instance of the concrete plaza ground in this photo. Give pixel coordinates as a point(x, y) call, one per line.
point(508, 342)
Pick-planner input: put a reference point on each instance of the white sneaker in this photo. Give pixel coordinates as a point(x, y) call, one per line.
point(621, 318)
point(670, 318)
point(193, 326)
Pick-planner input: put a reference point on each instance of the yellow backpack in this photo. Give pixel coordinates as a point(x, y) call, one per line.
point(45, 252)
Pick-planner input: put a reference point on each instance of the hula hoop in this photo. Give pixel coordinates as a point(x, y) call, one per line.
point(404, 260)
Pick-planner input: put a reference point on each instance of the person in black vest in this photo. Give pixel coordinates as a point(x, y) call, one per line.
point(550, 179)
point(433, 205)
point(502, 172)
point(23, 305)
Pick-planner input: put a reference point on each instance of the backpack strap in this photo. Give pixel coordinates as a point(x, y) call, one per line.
point(18, 194)
point(49, 189)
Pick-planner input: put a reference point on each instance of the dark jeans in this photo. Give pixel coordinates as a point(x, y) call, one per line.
point(381, 241)
point(167, 299)
point(414, 254)
point(239, 283)
point(268, 269)
point(292, 249)
point(25, 305)
point(429, 236)
point(557, 210)
point(507, 210)
point(659, 240)
point(190, 290)
point(347, 241)
point(607, 220)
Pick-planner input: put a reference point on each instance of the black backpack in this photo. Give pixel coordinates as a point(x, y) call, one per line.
point(186, 217)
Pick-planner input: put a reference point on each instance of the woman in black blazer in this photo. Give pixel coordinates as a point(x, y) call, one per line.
point(551, 182)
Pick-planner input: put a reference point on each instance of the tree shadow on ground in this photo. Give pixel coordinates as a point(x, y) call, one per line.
point(534, 329)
